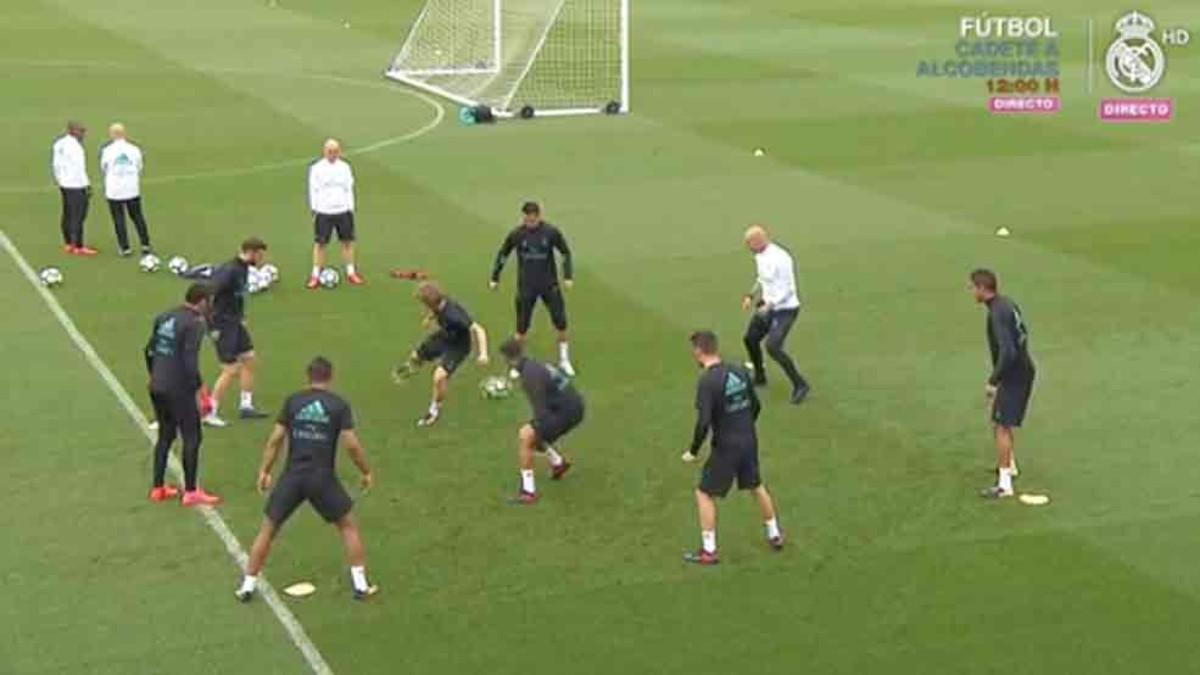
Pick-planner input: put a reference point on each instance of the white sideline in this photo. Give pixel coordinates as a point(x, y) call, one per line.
point(211, 517)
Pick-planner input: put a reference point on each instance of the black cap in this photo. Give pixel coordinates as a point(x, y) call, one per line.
point(530, 208)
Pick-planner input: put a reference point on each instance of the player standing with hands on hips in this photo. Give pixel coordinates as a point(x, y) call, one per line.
point(121, 165)
point(331, 200)
point(776, 304)
point(68, 161)
point(1010, 384)
point(535, 242)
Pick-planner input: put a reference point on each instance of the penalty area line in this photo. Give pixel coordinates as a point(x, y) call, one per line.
point(211, 516)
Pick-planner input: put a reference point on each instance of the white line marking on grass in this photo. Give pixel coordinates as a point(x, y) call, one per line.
point(438, 116)
point(212, 517)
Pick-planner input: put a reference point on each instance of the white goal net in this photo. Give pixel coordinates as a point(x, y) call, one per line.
point(554, 57)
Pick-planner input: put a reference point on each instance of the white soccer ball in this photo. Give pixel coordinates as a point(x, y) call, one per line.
point(177, 264)
point(329, 278)
point(50, 276)
point(271, 271)
point(149, 263)
point(257, 281)
point(493, 387)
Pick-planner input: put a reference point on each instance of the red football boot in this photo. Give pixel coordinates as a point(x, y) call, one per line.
point(69, 249)
point(163, 493)
point(356, 279)
point(313, 283)
point(86, 251)
point(199, 497)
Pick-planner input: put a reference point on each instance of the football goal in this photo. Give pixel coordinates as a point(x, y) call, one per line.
point(521, 57)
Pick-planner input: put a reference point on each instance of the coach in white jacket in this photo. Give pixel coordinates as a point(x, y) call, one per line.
point(68, 162)
point(775, 303)
point(331, 200)
point(121, 165)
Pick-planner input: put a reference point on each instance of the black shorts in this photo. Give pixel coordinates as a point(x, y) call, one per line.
point(325, 224)
point(1012, 400)
point(724, 465)
point(552, 297)
point(555, 424)
point(232, 339)
point(449, 354)
point(318, 487)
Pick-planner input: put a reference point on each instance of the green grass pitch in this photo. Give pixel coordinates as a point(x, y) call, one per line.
point(887, 188)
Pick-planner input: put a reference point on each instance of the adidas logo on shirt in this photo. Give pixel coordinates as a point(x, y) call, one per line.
point(737, 396)
point(313, 412)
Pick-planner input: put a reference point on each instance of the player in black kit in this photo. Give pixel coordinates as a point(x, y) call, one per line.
point(727, 405)
point(557, 409)
point(313, 421)
point(173, 362)
point(535, 242)
point(449, 345)
point(1010, 384)
point(235, 349)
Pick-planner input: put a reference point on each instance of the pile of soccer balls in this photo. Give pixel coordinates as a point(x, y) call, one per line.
point(260, 279)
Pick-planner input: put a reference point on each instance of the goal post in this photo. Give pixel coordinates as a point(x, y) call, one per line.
point(453, 37)
point(540, 57)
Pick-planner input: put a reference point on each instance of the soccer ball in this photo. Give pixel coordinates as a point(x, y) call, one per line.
point(178, 265)
point(494, 387)
point(257, 280)
point(149, 263)
point(329, 278)
point(271, 272)
point(50, 276)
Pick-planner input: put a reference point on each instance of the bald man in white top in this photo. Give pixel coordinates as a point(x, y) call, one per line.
point(775, 304)
point(331, 200)
point(121, 165)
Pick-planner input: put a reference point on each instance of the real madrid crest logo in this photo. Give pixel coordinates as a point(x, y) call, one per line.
point(1135, 62)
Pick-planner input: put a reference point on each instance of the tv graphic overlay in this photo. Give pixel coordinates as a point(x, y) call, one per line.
point(1136, 63)
point(1016, 59)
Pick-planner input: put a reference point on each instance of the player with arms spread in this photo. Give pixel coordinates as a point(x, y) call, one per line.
point(450, 345)
point(313, 421)
point(535, 242)
point(727, 405)
point(557, 409)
